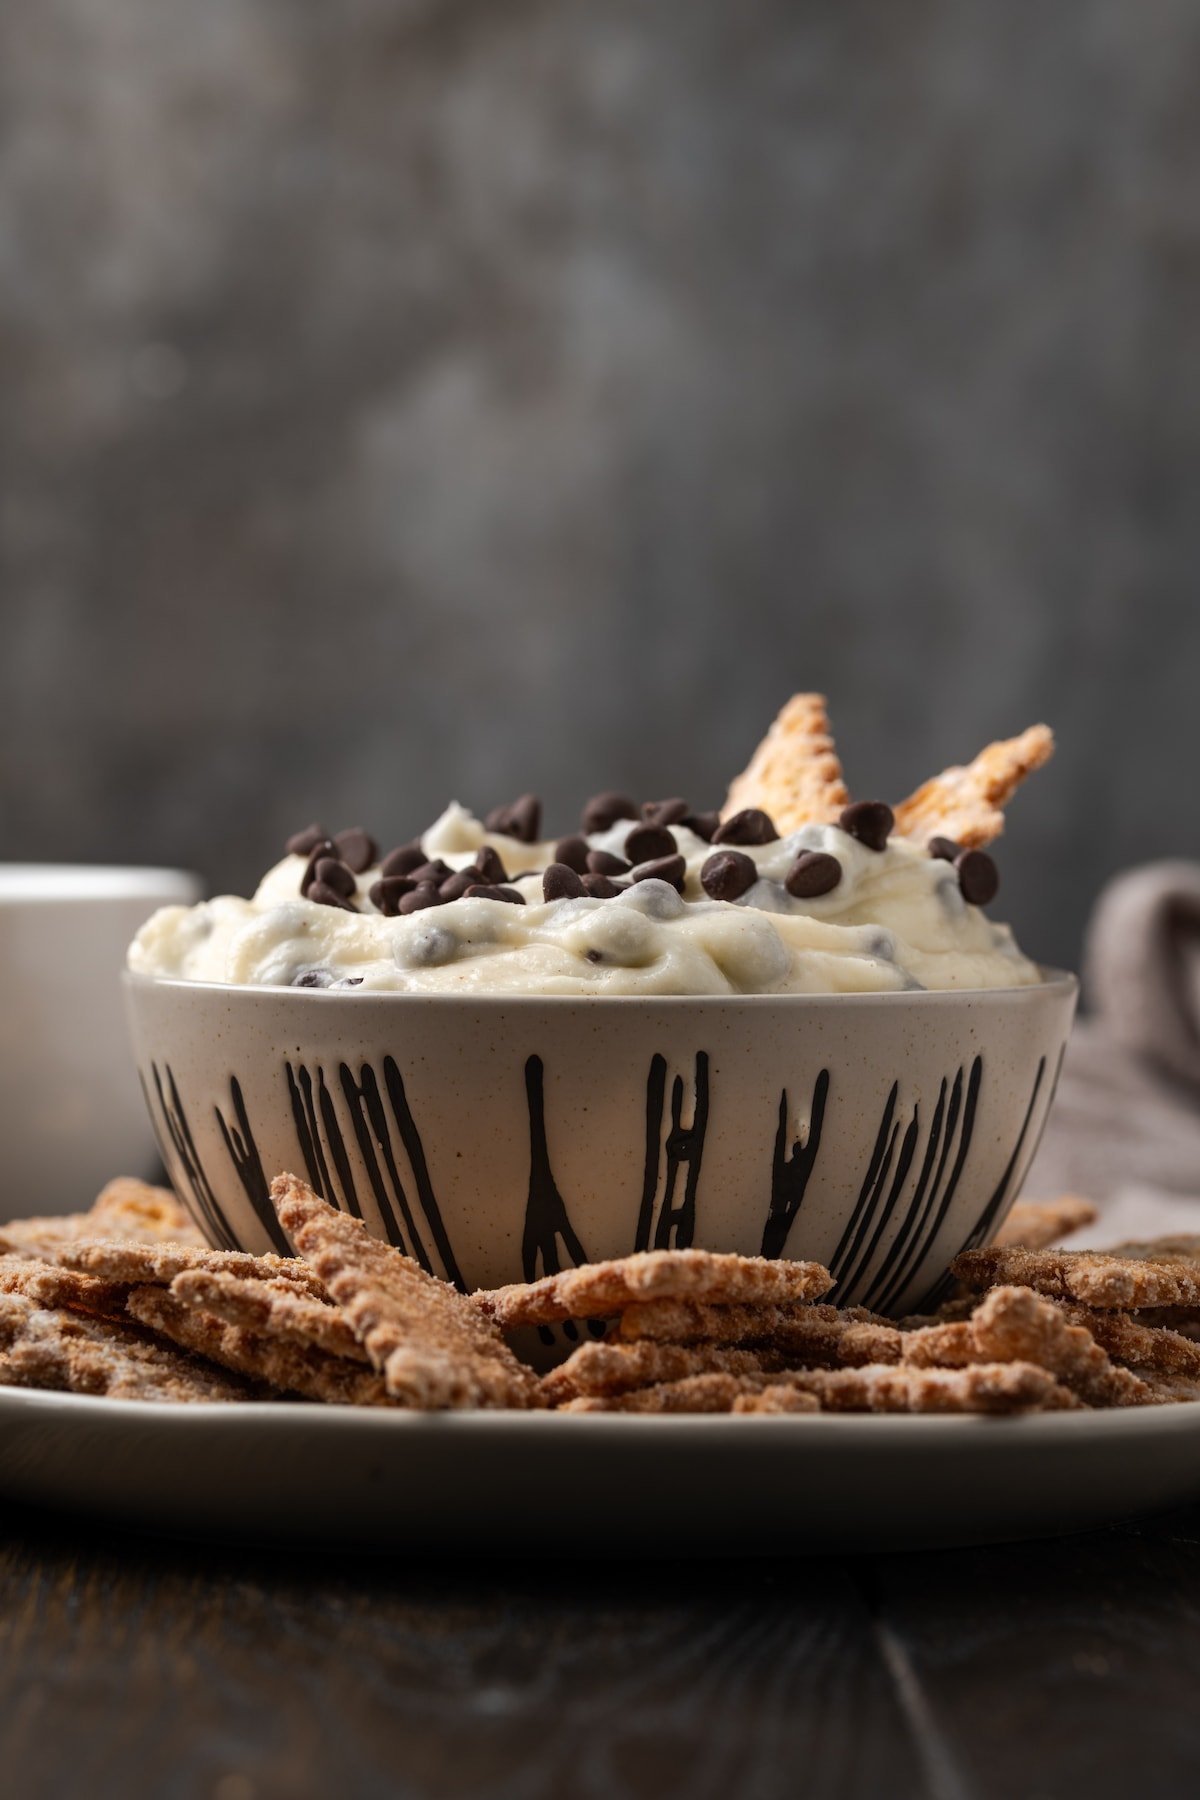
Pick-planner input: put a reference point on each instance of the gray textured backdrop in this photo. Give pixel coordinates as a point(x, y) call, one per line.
point(414, 397)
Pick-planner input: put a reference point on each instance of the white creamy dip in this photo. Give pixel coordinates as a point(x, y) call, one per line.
point(896, 920)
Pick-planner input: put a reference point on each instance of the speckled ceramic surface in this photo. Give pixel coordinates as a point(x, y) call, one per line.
point(498, 1138)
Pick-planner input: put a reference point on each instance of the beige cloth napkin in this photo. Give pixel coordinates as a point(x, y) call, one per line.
point(1125, 1129)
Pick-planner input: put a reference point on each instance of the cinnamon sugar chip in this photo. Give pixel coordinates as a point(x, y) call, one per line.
point(288, 1367)
point(51, 1285)
point(434, 1347)
point(1036, 1224)
point(612, 1368)
point(985, 1387)
point(822, 1334)
point(270, 1307)
point(1142, 1346)
point(157, 1265)
point(1163, 1249)
point(794, 775)
point(1168, 1388)
point(966, 804)
point(599, 1290)
point(713, 1393)
point(77, 1354)
point(1016, 1324)
point(126, 1209)
point(946, 1346)
point(1089, 1276)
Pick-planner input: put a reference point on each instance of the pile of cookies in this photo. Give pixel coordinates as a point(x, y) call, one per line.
point(127, 1301)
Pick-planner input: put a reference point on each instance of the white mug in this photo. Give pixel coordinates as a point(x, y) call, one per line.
point(71, 1111)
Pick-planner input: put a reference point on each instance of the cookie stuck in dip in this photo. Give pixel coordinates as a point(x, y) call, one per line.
point(793, 887)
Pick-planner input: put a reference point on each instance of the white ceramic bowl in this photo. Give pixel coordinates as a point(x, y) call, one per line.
point(499, 1138)
point(71, 1115)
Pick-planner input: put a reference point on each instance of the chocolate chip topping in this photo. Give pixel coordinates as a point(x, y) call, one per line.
point(750, 826)
point(313, 978)
point(944, 848)
point(671, 869)
point(648, 841)
point(326, 848)
point(603, 810)
point(599, 887)
point(333, 874)
point(435, 871)
point(491, 869)
point(388, 892)
point(603, 862)
point(561, 882)
point(521, 820)
point(487, 892)
point(418, 898)
point(403, 860)
point(456, 885)
point(978, 877)
point(321, 894)
point(664, 812)
point(870, 821)
point(357, 848)
point(812, 874)
point(573, 851)
point(728, 875)
point(705, 824)
point(303, 843)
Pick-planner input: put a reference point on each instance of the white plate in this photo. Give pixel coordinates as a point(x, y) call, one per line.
point(473, 1482)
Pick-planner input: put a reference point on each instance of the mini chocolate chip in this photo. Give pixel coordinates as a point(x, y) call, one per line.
point(599, 887)
point(750, 826)
point(488, 892)
point(335, 875)
point(491, 870)
point(705, 824)
point(728, 875)
point(435, 871)
point(945, 849)
point(388, 892)
point(664, 812)
point(603, 811)
point(812, 874)
point(594, 956)
point(305, 842)
point(573, 851)
point(417, 899)
point(349, 981)
point(325, 848)
point(403, 860)
point(561, 882)
point(671, 869)
point(521, 820)
point(357, 848)
point(603, 862)
point(456, 885)
point(313, 978)
point(978, 877)
point(321, 894)
point(870, 821)
point(646, 842)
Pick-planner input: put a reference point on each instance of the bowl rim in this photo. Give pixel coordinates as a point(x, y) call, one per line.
point(1054, 982)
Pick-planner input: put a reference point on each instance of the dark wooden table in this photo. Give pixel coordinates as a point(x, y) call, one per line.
point(138, 1668)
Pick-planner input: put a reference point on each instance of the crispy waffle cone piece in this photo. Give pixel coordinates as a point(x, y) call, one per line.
point(612, 1368)
point(794, 775)
point(1144, 1347)
point(434, 1347)
point(1017, 1324)
point(289, 1368)
point(51, 1285)
point(126, 1209)
point(985, 1387)
point(600, 1290)
point(1036, 1224)
point(49, 1347)
point(827, 1335)
point(713, 1393)
point(1088, 1276)
point(968, 804)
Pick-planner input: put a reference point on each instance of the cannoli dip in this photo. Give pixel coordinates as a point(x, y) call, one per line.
point(654, 899)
